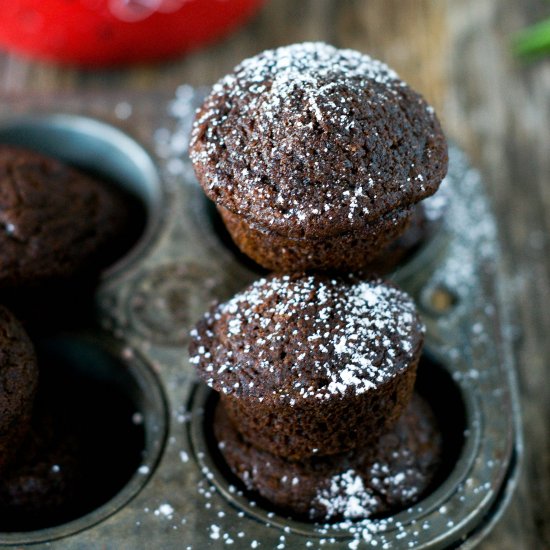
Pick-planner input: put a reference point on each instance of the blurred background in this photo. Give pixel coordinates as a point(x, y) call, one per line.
point(490, 89)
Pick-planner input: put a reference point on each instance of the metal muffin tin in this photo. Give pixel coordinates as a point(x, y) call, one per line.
point(146, 303)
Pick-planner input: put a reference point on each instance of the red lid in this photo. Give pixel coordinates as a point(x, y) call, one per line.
point(115, 32)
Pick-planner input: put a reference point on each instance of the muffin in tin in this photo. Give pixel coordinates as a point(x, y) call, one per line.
point(18, 385)
point(316, 156)
point(308, 364)
point(58, 224)
point(379, 478)
point(40, 486)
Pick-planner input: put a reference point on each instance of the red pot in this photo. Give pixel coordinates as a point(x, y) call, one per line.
point(115, 32)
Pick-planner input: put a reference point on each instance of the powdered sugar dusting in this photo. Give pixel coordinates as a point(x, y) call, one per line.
point(308, 134)
point(312, 337)
point(347, 497)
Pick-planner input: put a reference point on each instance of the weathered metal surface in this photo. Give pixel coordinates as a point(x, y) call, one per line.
point(151, 298)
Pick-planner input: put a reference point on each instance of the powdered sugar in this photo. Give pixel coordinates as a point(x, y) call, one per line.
point(302, 136)
point(307, 337)
point(347, 497)
point(165, 510)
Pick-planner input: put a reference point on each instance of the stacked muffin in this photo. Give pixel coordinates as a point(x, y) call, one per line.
point(317, 159)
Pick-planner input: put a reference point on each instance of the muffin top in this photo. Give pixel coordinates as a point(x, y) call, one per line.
point(307, 337)
point(309, 140)
point(55, 222)
point(18, 370)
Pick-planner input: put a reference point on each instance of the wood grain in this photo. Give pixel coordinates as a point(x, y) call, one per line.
point(457, 53)
point(499, 111)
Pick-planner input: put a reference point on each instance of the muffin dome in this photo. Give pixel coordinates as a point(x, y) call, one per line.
point(310, 364)
point(56, 223)
point(308, 337)
point(309, 140)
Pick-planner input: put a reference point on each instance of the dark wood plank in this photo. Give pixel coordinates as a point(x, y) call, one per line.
point(499, 110)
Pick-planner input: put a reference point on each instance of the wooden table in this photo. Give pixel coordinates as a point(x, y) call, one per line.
point(457, 53)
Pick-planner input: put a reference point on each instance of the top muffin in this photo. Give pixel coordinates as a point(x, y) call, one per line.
point(309, 141)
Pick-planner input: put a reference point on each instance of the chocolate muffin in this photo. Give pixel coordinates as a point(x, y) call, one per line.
point(18, 383)
point(40, 486)
point(311, 365)
point(384, 477)
point(57, 223)
point(426, 221)
point(83, 446)
point(315, 156)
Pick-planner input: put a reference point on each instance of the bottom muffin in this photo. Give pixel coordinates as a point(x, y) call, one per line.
point(374, 480)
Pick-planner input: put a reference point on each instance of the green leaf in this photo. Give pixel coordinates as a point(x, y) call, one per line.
point(533, 41)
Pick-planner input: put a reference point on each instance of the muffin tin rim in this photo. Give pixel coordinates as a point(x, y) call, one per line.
point(121, 141)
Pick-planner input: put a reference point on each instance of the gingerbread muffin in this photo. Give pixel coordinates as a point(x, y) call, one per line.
point(18, 384)
point(384, 477)
point(40, 486)
point(57, 223)
point(315, 156)
point(310, 365)
point(426, 221)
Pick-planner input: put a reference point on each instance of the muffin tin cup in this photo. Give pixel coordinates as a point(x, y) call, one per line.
point(97, 360)
point(103, 150)
point(148, 301)
point(448, 514)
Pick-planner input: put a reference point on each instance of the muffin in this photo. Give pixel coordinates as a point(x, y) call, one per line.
point(84, 443)
point(385, 477)
point(58, 224)
point(308, 364)
point(316, 156)
point(18, 384)
point(40, 486)
point(426, 221)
